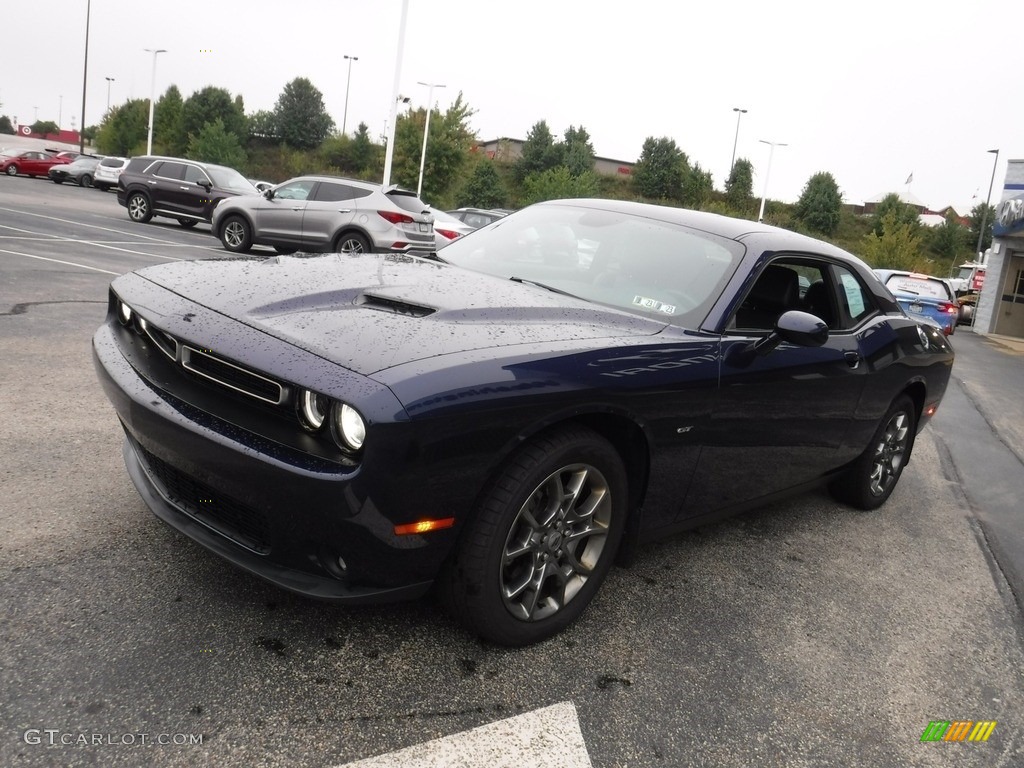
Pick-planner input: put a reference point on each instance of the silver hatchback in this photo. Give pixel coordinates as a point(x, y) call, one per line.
point(326, 213)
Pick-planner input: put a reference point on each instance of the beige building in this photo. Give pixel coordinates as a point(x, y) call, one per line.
point(506, 150)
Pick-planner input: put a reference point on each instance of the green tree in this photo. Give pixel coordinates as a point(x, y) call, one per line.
point(949, 240)
point(739, 187)
point(301, 118)
point(263, 125)
point(5, 125)
point(898, 247)
point(540, 152)
point(206, 106)
point(977, 213)
point(448, 147)
point(820, 203)
point(697, 186)
point(168, 128)
point(905, 214)
point(45, 127)
point(661, 169)
point(579, 152)
point(484, 188)
point(558, 184)
point(214, 144)
point(124, 128)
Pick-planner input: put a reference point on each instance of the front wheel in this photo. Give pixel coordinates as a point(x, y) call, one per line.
point(12, 170)
point(870, 480)
point(85, 180)
point(542, 541)
point(236, 235)
point(351, 243)
point(139, 209)
point(57, 181)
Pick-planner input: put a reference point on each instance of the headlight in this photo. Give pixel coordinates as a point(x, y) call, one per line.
point(349, 427)
point(313, 409)
point(124, 312)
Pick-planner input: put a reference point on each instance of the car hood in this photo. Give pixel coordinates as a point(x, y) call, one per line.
point(369, 312)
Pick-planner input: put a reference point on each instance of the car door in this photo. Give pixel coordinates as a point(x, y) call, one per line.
point(166, 180)
point(278, 218)
point(783, 418)
point(196, 199)
point(331, 207)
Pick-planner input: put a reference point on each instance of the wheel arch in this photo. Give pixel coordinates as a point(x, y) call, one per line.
point(351, 229)
point(228, 216)
point(917, 392)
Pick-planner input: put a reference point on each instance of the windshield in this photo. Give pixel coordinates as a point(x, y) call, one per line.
point(931, 288)
point(229, 178)
point(630, 262)
point(965, 272)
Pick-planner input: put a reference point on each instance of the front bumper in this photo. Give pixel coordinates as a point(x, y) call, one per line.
point(276, 512)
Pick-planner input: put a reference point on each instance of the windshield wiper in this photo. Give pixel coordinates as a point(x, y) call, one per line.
point(526, 281)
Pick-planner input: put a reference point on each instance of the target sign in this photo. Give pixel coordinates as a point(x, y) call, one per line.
point(27, 130)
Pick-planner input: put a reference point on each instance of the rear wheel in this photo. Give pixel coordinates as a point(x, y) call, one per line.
point(101, 187)
point(187, 223)
point(85, 180)
point(351, 243)
point(57, 180)
point(236, 235)
point(869, 482)
point(542, 541)
point(139, 208)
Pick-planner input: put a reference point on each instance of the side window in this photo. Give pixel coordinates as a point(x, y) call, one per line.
point(297, 190)
point(170, 170)
point(195, 174)
point(784, 285)
point(854, 300)
point(329, 192)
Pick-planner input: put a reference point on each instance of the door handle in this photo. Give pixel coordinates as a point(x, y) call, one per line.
point(852, 358)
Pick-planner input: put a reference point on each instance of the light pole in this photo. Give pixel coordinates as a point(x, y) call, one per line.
point(60, 112)
point(739, 113)
point(152, 94)
point(426, 130)
point(764, 194)
point(984, 211)
point(85, 75)
point(389, 151)
point(348, 83)
point(109, 81)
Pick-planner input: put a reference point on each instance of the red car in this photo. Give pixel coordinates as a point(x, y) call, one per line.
point(29, 162)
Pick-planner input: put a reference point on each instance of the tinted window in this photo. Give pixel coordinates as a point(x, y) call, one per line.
point(194, 174)
point(229, 178)
point(407, 202)
point(112, 162)
point(294, 190)
point(169, 170)
point(329, 192)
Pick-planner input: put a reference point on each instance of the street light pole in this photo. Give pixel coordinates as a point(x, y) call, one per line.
point(739, 113)
point(85, 75)
point(984, 212)
point(426, 131)
point(389, 151)
point(764, 194)
point(348, 82)
point(60, 111)
point(152, 95)
point(109, 81)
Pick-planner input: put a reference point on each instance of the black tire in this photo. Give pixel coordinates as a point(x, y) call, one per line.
point(236, 234)
point(351, 242)
point(101, 187)
point(518, 577)
point(285, 251)
point(58, 181)
point(85, 180)
point(12, 170)
point(139, 208)
point(870, 480)
point(187, 223)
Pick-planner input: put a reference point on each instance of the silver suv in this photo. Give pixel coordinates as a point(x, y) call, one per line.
point(326, 213)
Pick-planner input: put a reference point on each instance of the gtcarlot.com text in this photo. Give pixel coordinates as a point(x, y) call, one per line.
point(53, 737)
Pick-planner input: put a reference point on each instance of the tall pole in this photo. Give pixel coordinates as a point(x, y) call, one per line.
point(152, 95)
point(426, 132)
point(984, 212)
point(85, 75)
point(389, 152)
point(739, 113)
point(109, 81)
point(764, 195)
point(348, 82)
point(60, 112)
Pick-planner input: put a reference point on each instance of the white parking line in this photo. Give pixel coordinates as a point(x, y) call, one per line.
point(91, 226)
point(59, 261)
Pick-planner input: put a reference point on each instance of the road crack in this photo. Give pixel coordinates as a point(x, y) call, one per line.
point(21, 309)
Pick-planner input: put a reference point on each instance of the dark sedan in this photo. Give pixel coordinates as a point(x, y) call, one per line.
point(79, 171)
point(506, 420)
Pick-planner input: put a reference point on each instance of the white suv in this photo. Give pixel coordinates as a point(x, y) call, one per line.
point(107, 172)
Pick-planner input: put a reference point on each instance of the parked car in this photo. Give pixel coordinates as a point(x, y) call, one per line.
point(28, 162)
point(447, 228)
point(923, 295)
point(318, 213)
point(79, 171)
point(261, 186)
point(503, 420)
point(185, 190)
point(477, 217)
point(108, 172)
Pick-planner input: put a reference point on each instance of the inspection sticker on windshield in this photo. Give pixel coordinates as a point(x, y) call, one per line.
point(653, 305)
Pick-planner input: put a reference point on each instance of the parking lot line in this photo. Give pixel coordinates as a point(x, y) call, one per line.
point(59, 261)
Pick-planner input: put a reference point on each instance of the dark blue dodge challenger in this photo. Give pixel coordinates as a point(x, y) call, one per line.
point(504, 421)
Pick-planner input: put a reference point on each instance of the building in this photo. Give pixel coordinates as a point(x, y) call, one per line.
point(505, 150)
point(1001, 305)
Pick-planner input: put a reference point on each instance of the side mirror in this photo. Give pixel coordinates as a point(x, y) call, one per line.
point(269, 193)
point(794, 327)
point(204, 185)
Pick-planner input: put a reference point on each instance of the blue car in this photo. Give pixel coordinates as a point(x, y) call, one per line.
point(923, 296)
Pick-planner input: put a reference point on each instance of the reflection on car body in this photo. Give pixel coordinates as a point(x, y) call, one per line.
point(450, 423)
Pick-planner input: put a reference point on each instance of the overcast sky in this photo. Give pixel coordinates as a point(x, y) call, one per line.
point(871, 92)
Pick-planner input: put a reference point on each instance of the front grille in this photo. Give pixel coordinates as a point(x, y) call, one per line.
point(231, 375)
point(240, 523)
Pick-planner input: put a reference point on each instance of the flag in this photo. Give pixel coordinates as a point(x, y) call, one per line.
point(910, 178)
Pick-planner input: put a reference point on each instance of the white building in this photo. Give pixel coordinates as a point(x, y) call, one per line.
point(1001, 305)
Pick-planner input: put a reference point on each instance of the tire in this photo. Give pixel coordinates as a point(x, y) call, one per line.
point(870, 480)
point(542, 540)
point(58, 181)
point(139, 208)
point(285, 251)
point(187, 223)
point(12, 170)
point(236, 234)
point(101, 187)
point(351, 242)
point(85, 180)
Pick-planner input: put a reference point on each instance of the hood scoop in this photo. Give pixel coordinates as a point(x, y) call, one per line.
point(394, 306)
